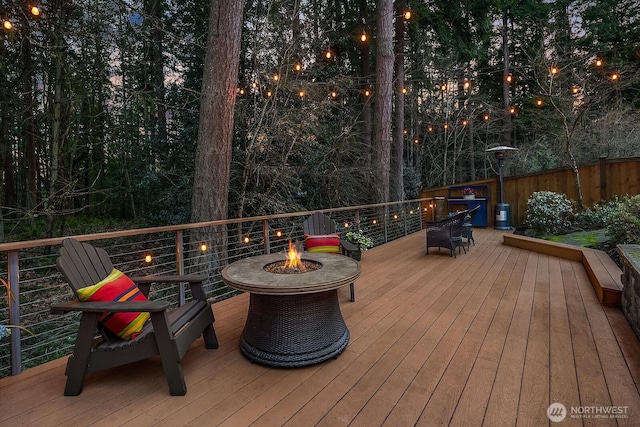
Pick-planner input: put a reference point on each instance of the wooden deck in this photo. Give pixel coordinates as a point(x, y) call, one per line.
point(488, 338)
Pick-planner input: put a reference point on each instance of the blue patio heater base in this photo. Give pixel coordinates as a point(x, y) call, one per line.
point(503, 216)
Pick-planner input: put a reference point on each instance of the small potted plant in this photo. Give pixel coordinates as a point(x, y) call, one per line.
point(468, 193)
point(359, 239)
point(5, 330)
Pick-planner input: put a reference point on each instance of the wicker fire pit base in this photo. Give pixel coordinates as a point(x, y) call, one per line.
point(294, 330)
point(294, 319)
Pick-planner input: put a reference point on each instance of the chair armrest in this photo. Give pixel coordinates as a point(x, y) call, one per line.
point(109, 306)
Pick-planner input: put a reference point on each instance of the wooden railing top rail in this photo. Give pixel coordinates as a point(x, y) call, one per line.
point(16, 246)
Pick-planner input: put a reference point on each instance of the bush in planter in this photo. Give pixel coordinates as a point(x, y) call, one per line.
point(549, 213)
point(624, 225)
point(359, 239)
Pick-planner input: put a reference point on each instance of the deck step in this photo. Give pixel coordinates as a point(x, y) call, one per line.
point(603, 272)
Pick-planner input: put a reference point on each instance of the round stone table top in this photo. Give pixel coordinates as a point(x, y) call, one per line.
point(249, 274)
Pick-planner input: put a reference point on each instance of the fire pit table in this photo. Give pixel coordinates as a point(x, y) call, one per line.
point(294, 319)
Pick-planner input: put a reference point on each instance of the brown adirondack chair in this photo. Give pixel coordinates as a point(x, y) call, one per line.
point(318, 224)
point(169, 333)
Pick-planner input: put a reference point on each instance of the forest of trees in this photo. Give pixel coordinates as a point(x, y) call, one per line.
point(100, 101)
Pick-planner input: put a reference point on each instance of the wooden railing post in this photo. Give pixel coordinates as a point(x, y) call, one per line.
point(265, 236)
point(179, 242)
point(13, 276)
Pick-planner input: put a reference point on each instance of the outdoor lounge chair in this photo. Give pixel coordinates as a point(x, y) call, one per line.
point(446, 233)
point(319, 224)
point(168, 333)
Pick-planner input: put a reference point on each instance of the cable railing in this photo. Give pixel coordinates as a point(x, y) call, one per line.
point(36, 284)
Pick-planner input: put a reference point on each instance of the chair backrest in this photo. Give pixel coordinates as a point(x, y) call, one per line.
point(82, 264)
point(472, 213)
point(318, 223)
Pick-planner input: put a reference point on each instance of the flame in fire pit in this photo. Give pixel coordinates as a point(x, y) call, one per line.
point(294, 259)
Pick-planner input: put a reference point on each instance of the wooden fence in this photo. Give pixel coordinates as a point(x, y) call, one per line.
point(600, 181)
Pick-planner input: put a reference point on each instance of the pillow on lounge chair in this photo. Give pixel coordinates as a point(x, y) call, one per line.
point(328, 243)
point(117, 287)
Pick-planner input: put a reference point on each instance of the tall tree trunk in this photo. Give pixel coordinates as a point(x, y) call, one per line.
point(215, 133)
point(398, 137)
point(158, 72)
point(365, 74)
point(383, 97)
point(506, 138)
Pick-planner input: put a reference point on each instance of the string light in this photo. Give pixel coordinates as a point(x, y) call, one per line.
point(416, 141)
point(429, 128)
point(509, 78)
point(268, 93)
point(554, 70)
point(363, 36)
point(404, 131)
point(445, 126)
point(333, 94)
point(539, 102)
point(148, 258)
point(395, 216)
point(346, 224)
point(297, 67)
point(278, 233)
point(328, 55)
point(241, 91)
point(599, 62)
point(443, 87)
point(35, 11)
point(512, 110)
point(246, 239)
point(374, 221)
point(301, 93)
point(575, 89)
point(405, 90)
point(466, 85)
point(276, 77)
point(465, 122)
point(615, 77)
point(486, 117)
point(367, 92)
point(203, 247)
point(7, 25)
point(407, 14)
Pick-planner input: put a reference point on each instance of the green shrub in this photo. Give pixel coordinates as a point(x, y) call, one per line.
point(598, 216)
point(549, 213)
point(624, 226)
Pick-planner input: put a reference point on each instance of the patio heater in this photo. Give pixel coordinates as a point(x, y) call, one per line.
point(502, 210)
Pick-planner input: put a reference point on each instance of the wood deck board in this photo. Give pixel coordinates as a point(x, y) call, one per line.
point(489, 338)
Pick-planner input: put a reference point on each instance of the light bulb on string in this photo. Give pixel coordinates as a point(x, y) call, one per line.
point(363, 37)
point(297, 67)
point(7, 25)
point(615, 77)
point(367, 92)
point(486, 117)
point(407, 14)
point(599, 62)
point(35, 11)
point(539, 102)
point(328, 55)
point(554, 70)
point(466, 85)
point(512, 110)
point(333, 94)
point(203, 247)
point(465, 122)
point(509, 78)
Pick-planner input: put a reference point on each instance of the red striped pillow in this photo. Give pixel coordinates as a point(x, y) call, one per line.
point(329, 243)
point(117, 287)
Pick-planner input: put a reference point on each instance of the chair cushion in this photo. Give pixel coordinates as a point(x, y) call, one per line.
point(117, 287)
point(328, 243)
